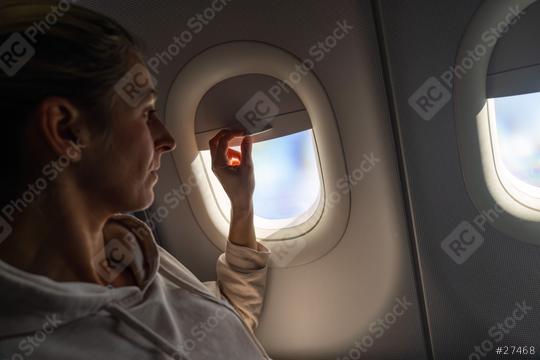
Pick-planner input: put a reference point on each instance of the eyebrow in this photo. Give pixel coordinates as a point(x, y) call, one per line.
point(152, 92)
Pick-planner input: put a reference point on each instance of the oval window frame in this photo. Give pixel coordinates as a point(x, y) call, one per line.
point(474, 133)
point(232, 59)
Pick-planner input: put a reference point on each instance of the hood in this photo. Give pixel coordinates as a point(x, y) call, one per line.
point(40, 297)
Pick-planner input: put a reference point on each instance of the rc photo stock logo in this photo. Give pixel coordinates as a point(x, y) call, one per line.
point(262, 107)
point(466, 238)
point(135, 85)
point(29, 346)
point(15, 52)
point(377, 329)
point(18, 49)
point(257, 112)
point(501, 330)
point(435, 92)
point(113, 260)
point(430, 98)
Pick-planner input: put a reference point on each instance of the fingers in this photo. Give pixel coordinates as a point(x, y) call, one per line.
point(247, 148)
point(214, 142)
point(223, 144)
point(219, 145)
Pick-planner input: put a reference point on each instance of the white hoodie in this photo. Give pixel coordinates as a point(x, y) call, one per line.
point(169, 315)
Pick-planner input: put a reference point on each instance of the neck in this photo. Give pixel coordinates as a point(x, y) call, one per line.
point(57, 236)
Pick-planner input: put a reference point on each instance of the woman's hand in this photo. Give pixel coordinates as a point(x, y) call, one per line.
point(234, 169)
point(235, 172)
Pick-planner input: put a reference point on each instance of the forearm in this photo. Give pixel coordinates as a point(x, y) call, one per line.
point(241, 275)
point(242, 229)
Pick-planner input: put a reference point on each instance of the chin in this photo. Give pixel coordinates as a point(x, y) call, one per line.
point(141, 201)
point(148, 201)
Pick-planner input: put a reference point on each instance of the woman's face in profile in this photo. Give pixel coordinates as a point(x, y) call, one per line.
point(121, 167)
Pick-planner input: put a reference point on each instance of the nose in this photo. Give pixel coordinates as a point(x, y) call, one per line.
point(164, 142)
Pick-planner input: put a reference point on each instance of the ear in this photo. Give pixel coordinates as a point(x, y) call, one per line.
point(62, 126)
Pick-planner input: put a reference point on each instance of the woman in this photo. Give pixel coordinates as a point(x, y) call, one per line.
point(80, 280)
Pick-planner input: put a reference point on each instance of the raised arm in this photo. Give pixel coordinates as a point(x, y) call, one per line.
point(234, 170)
point(241, 271)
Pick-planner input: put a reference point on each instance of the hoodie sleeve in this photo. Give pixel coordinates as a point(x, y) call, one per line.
point(241, 279)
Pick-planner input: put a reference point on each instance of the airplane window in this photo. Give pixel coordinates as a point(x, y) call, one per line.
point(287, 178)
point(516, 139)
point(496, 113)
point(297, 163)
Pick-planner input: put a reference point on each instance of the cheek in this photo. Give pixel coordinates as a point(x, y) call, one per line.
point(136, 150)
point(144, 145)
point(123, 169)
point(127, 153)
point(135, 137)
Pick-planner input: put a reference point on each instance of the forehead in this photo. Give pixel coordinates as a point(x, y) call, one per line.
point(136, 86)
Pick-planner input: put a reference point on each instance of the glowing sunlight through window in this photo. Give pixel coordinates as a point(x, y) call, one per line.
point(287, 181)
point(516, 139)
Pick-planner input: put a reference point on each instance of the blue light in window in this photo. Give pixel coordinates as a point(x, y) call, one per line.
point(518, 132)
point(286, 176)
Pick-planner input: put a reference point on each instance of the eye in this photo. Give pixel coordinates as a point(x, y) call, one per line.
point(150, 113)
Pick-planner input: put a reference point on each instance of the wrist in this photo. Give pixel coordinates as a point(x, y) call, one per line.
point(242, 230)
point(244, 208)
